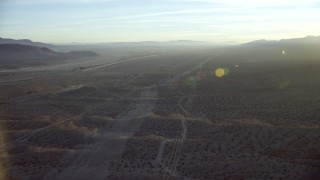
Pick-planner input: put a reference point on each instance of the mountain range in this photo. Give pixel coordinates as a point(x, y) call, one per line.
point(25, 42)
point(18, 55)
point(301, 41)
point(261, 42)
point(24, 53)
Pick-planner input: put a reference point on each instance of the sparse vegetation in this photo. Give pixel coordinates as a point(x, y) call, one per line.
point(165, 116)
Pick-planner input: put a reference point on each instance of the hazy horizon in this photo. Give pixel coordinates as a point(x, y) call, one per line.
point(96, 21)
point(169, 41)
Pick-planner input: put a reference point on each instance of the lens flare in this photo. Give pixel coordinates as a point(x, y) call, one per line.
point(190, 82)
point(226, 71)
point(220, 72)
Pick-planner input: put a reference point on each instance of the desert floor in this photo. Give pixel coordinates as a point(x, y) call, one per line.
point(162, 116)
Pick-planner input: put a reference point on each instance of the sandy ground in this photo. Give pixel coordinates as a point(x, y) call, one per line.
point(162, 117)
point(93, 161)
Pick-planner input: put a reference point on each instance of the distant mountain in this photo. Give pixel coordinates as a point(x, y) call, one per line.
point(25, 42)
point(304, 40)
point(185, 41)
point(135, 43)
point(260, 42)
point(25, 51)
point(33, 52)
point(295, 49)
point(17, 55)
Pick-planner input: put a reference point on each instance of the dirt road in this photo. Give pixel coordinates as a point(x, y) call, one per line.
point(93, 161)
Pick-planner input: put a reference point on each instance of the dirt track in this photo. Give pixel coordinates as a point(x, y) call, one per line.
point(165, 116)
point(94, 161)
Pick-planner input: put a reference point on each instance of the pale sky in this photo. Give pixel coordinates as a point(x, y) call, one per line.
point(65, 21)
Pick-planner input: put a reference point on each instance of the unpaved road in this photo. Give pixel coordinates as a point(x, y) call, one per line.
point(117, 62)
point(93, 162)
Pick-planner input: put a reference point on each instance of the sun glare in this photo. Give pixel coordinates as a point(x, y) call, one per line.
point(219, 72)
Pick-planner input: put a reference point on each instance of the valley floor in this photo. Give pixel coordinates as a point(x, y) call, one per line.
point(164, 116)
